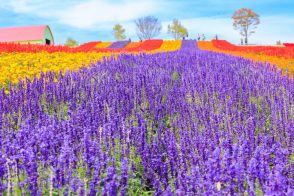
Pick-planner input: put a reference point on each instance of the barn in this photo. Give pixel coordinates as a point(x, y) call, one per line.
point(30, 34)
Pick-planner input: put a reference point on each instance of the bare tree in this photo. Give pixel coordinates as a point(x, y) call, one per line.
point(148, 27)
point(246, 21)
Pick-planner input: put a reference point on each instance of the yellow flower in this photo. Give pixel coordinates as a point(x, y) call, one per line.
point(168, 46)
point(22, 65)
point(103, 44)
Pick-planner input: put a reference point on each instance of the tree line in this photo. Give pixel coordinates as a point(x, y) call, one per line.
point(149, 27)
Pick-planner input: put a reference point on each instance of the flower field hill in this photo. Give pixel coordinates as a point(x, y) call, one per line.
point(155, 117)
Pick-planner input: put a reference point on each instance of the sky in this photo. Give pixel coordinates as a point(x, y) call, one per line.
point(93, 20)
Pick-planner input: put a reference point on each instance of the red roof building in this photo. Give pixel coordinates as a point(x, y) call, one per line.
point(30, 34)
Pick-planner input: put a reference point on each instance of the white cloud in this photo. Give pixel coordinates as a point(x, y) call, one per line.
point(92, 13)
point(101, 15)
point(274, 28)
point(210, 26)
point(18, 6)
point(85, 14)
point(271, 29)
point(26, 6)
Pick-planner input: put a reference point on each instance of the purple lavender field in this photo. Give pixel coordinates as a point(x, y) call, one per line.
point(118, 44)
point(183, 123)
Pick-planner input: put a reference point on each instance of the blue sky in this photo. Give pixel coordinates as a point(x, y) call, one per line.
point(90, 20)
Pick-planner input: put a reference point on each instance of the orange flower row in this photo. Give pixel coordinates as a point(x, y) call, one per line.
point(279, 51)
point(286, 64)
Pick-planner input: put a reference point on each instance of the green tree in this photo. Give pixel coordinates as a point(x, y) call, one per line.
point(177, 30)
point(119, 32)
point(71, 42)
point(246, 21)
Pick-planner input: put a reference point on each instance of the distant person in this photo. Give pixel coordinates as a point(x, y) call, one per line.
point(198, 38)
point(242, 41)
point(130, 40)
point(203, 37)
point(216, 37)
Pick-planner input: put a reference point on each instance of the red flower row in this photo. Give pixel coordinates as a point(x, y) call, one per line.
point(147, 45)
point(288, 44)
point(87, 47)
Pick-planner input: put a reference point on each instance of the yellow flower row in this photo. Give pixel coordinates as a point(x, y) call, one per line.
point(285, 64)
point(168, 46)
point(103, 44)
point(14, 66)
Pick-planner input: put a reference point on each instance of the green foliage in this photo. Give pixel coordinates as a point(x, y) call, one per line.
point(258, 192)
point(177, 30)
point(135, 184)
point(175, 75)
point(292, 158)
point(119, 32)
point(60, 109)
point(71, 42)
point(291, 111)
point(278, 43)
point(118, 76)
